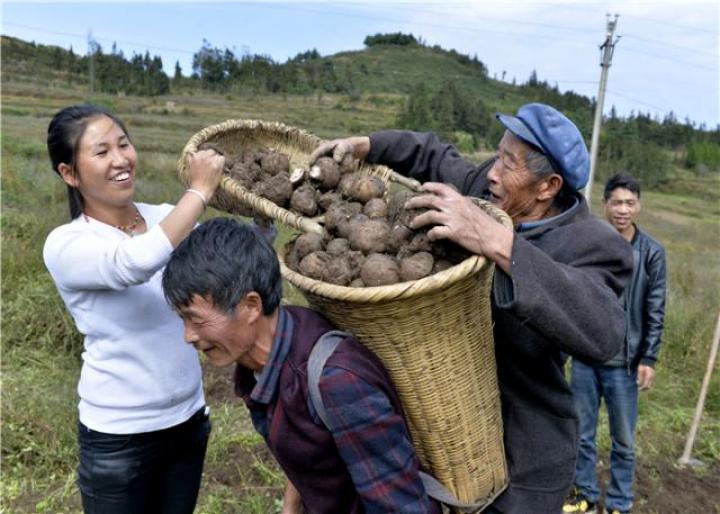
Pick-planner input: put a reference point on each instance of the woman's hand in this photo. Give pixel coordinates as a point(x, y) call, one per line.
point(205, 169)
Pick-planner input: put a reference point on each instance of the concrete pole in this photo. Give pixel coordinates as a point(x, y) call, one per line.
point(608, 47)
point(91, 60)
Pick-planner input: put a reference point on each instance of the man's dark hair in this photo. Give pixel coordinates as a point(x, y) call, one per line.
point(623, 180)
point(223, 260)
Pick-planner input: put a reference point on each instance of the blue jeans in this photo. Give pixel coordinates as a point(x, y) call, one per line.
point(149, 473)
point(619, 388)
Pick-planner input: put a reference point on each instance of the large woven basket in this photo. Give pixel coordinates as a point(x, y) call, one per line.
point(434, 335)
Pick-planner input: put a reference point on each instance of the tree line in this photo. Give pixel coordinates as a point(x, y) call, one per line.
point(646, 145)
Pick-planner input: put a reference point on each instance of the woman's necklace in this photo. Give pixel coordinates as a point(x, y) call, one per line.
point(128, 229)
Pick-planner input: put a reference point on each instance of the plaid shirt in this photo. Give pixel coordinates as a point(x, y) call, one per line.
point(371, 437)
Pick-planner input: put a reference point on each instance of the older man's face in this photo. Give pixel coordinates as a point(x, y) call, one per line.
point(223, 338)
point(512, 186)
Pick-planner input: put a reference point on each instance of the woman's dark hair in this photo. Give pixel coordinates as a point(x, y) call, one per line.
point(63, 141)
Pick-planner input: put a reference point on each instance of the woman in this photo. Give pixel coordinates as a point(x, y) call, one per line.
point(143, 426)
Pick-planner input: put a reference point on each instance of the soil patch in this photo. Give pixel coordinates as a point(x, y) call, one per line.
point(662, 487)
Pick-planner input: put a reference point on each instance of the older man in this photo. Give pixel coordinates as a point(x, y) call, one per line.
point(558, 276)
point(225, 282)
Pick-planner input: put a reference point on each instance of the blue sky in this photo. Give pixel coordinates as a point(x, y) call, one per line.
point(666, 60)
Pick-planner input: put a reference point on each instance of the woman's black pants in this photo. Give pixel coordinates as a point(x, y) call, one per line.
point(149, 473)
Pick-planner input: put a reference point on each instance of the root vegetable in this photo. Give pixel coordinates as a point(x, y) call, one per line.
point(326, 173)
point(345, 226)
point(338, 246)
point(357, 259)
point(358, 282)
point(307, 244)
point(368, 235)
point(313, 265)
point(400, 236)
point(277, 189)
point(379, 270)
point(337, 214)
point(367, 187)
point(274, 162)
point(375, 208)
point(441, 265)
point(244, 174)
point(325, 200)
point(347, 184)
point(416, 266)
point(337, 271)
point(303, 201)
point(420, 242)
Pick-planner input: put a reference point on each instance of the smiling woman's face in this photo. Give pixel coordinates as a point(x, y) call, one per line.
point(105, 165)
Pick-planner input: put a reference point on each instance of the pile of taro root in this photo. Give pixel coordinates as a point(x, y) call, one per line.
point(367, 239)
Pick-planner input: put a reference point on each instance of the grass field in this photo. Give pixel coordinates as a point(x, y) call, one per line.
point(41, 349)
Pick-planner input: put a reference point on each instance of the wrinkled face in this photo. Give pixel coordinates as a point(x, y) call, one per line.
point(513, 187)
point(622, 208)
point(223, 338)
point(105, 165)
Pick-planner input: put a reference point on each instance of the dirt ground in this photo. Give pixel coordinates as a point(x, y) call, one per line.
point(666, 488)
point(661, 487)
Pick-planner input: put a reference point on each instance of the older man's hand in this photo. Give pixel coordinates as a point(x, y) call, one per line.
point(457, 218)
point(341, 149)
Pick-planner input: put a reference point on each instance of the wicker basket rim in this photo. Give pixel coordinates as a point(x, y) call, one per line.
point(237, 123)
point(378, 294)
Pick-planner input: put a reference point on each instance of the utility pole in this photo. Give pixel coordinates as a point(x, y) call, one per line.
point(607, 49)
point(91, 60)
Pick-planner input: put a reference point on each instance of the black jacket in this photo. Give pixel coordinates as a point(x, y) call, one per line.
point(561, 296)
point(645, 301)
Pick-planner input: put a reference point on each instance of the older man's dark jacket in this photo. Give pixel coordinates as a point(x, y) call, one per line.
point(560, 297)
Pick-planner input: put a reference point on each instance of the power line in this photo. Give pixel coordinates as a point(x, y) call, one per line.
point(486, 18)
point(671, 45)
point(676, 25)
point(636, 100)
point(110, 40)
point(686, 63)
point(473, 30)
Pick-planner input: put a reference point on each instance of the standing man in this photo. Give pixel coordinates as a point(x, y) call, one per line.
point(632, 368)
point(225, 282)
point(558, 276)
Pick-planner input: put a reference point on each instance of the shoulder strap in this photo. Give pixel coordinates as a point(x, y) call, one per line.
point(319, 355)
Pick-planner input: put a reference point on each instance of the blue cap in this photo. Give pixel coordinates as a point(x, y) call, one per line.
point(548, 130)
